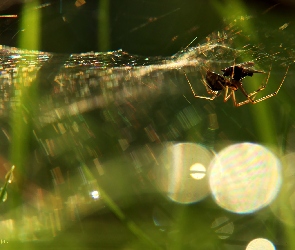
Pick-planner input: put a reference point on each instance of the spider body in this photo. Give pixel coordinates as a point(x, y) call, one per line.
point(240, 71)
point(217, 82)
point(231, 81)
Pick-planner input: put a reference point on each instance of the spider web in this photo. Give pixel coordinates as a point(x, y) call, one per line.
point(82, 82)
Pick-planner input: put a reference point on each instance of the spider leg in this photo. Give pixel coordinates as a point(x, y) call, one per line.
point(274, 93)
point(225, 89)
point(209, 91)
point(251, 100)
point(254, 93)
point(226, 95)
point(263, 86)
point(240, 103)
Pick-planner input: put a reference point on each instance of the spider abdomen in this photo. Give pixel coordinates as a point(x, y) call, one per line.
point(240, 71)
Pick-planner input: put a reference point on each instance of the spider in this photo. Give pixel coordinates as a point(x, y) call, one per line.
point(231, 80)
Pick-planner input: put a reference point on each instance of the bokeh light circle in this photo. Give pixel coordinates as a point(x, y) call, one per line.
point(284, 206)
point(181, 172)
point(245, 177)
point(260, 244)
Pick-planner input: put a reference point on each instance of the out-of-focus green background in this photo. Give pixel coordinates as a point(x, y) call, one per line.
point(134, 214)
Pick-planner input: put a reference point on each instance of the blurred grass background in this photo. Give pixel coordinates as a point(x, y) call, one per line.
point(145, 28)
